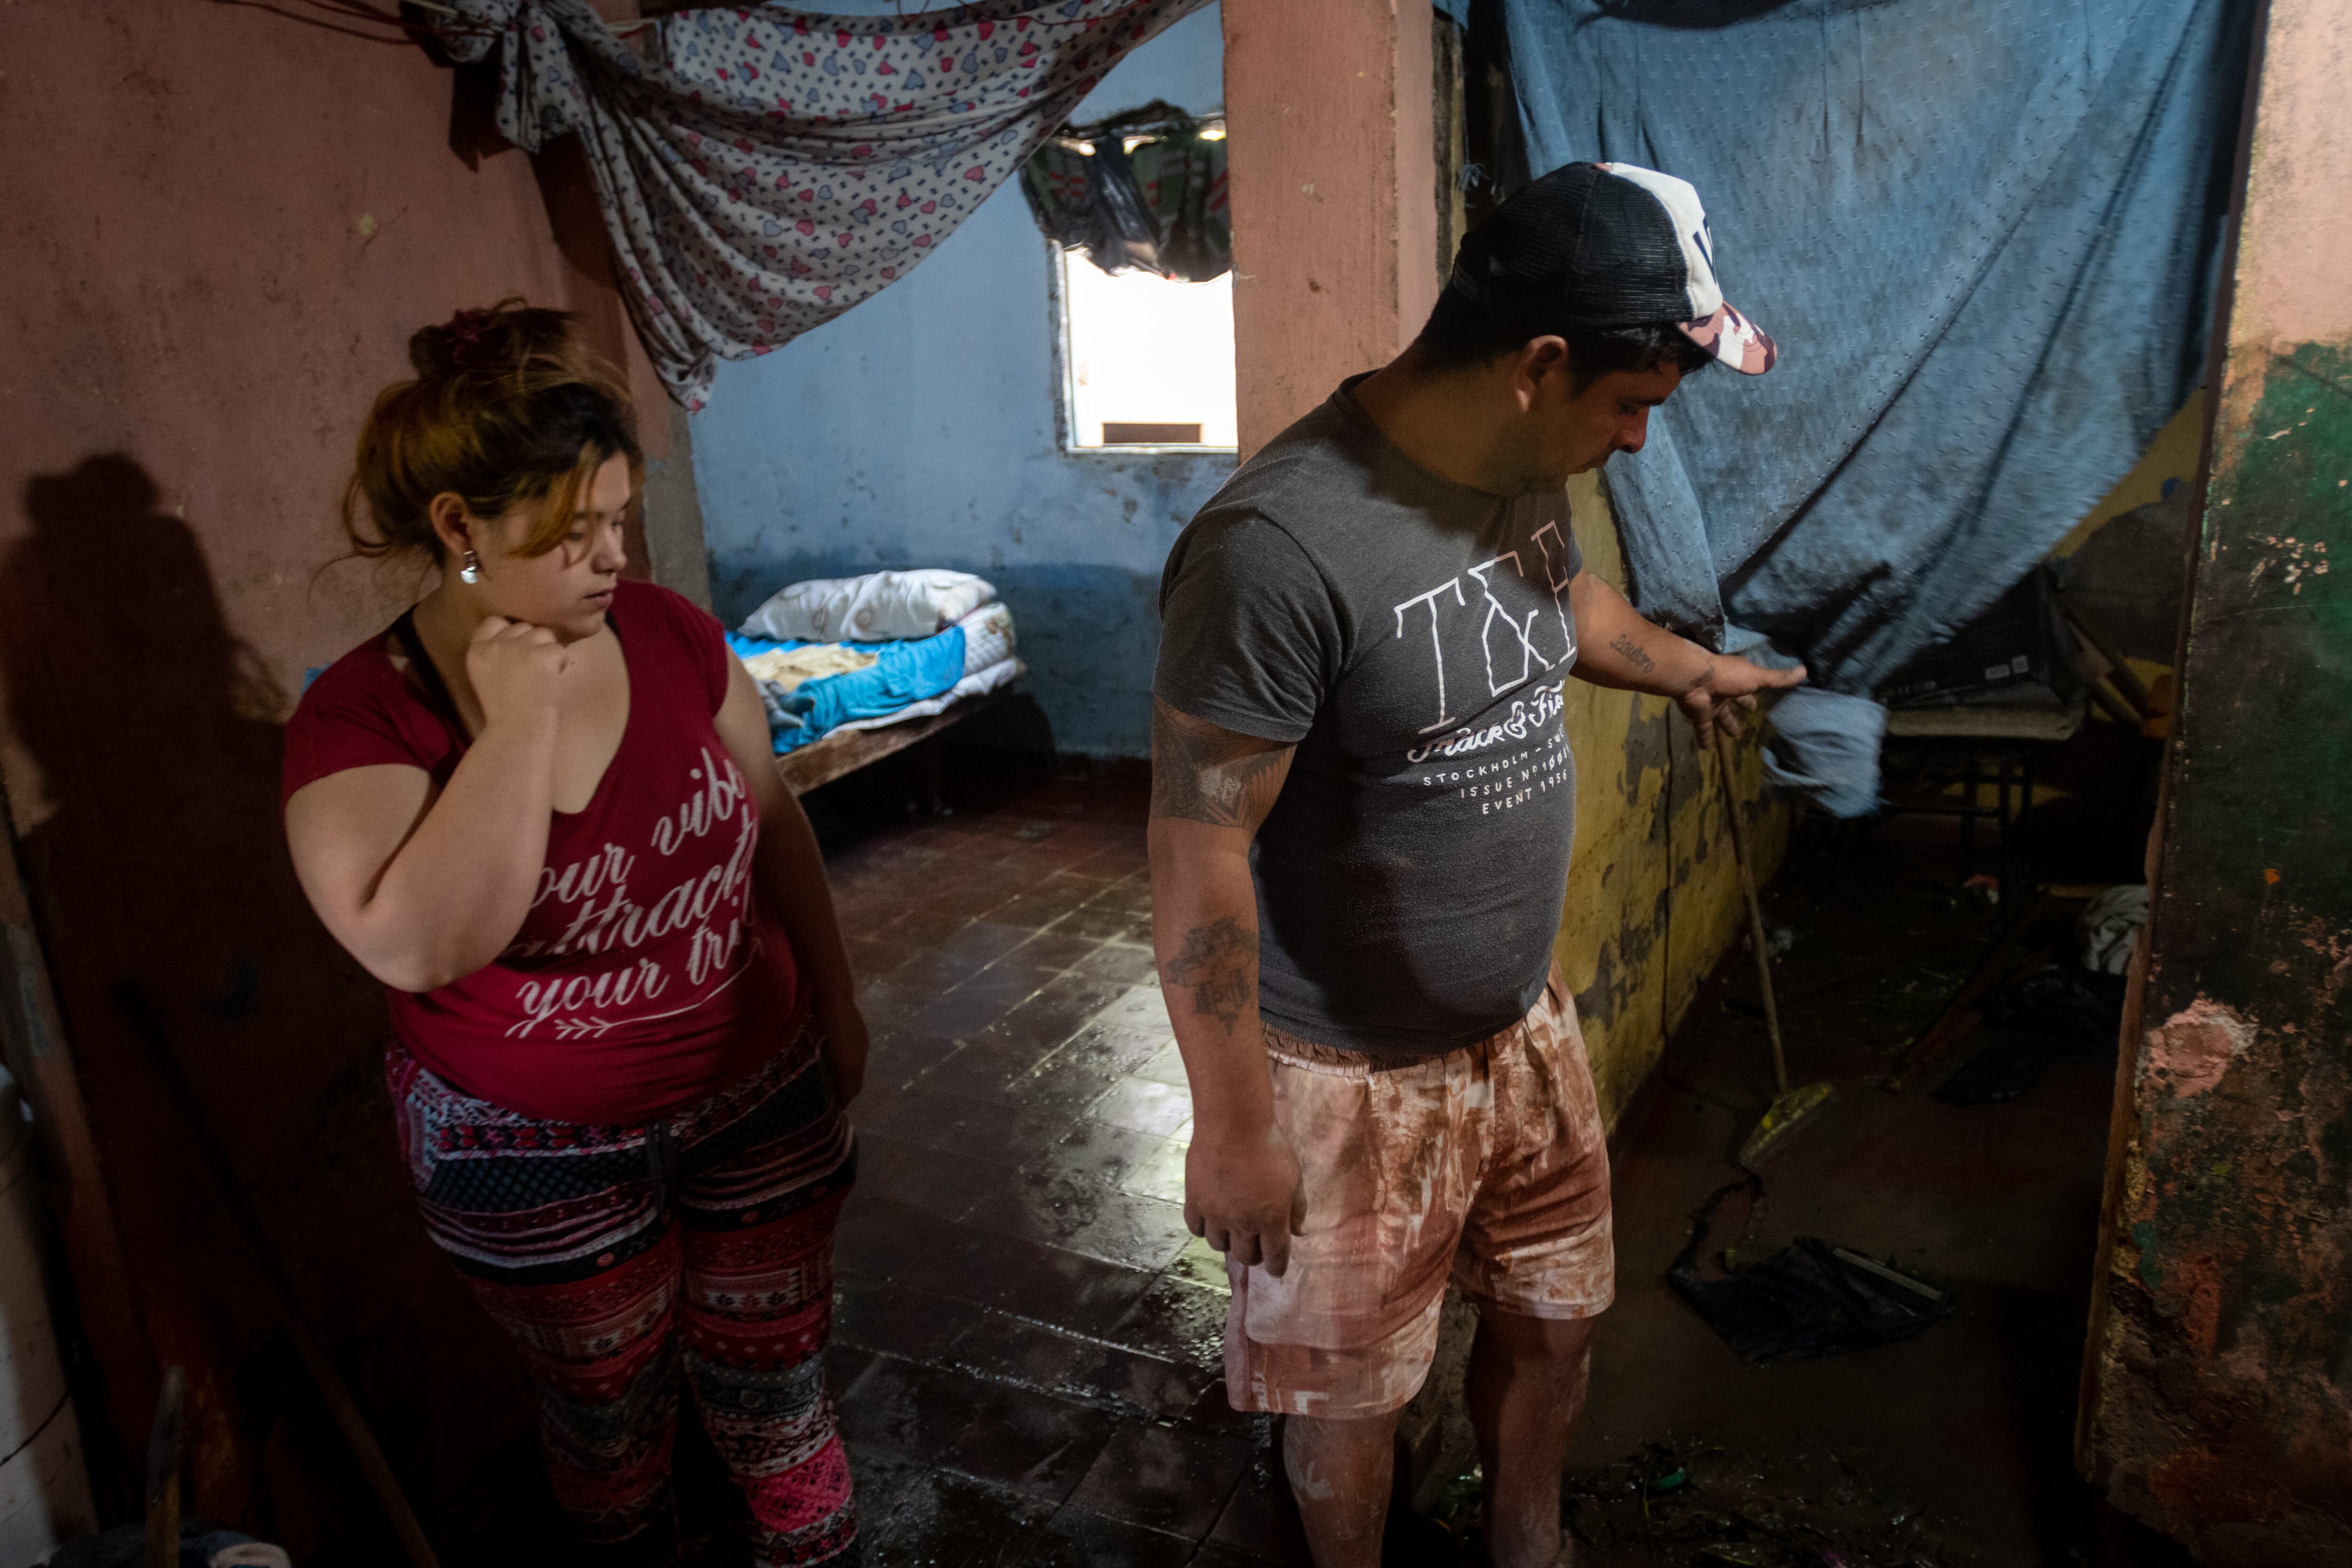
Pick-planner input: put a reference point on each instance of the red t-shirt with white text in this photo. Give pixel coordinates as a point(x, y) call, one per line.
point(646, 976)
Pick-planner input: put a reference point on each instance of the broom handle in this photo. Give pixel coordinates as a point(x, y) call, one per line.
point(1756, 937)
point(160, 1546)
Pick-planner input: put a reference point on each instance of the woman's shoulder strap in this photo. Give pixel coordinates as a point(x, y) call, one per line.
point(428, 674)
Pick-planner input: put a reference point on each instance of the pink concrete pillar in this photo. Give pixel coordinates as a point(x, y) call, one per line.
point(1334, 177)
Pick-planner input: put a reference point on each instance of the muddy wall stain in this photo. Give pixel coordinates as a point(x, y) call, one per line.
point(1653, 894)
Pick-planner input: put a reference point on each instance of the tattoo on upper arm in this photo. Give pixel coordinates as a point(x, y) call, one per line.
point(1624, 644)
point(1201, 773)
point(1219, 962)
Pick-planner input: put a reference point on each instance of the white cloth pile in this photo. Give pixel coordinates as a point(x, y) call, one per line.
point(835, 615)
point(2109, 927)
point(882, 606)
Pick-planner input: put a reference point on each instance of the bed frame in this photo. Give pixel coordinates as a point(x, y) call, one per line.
point(846, 751)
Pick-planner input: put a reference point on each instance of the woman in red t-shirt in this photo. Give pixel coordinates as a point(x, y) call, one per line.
point(541, 807)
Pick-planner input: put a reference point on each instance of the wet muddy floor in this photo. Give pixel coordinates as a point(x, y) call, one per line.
point(1026, 1353)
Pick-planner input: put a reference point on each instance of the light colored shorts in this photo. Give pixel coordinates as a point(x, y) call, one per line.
point(1487, 1166)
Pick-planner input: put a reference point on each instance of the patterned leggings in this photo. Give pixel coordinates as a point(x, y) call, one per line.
point(610, 1254)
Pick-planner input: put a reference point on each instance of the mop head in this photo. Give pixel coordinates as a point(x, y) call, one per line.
point(1782, 1119)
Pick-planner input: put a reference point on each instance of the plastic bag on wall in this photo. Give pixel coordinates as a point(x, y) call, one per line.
point(1159, 208)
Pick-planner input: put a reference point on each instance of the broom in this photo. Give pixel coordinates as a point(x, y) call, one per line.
point(1788, 1109)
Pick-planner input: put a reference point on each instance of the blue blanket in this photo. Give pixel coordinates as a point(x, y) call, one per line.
point(903, 672)
point(1984, 233)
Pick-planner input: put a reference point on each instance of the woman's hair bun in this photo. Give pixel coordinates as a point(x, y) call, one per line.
point(504, 340)
point(508, 406)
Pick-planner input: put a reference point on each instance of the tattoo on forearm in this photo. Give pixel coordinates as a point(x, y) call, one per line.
point(1219, 962)
point(1203, 774)
point(1625, 644)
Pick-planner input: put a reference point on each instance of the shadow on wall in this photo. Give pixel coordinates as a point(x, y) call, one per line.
point(1090, 634)
point(164, 892)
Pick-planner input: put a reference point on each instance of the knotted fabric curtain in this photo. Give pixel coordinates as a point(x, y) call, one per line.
point(761, 170)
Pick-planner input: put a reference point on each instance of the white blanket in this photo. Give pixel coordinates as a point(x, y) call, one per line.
point(882, 606)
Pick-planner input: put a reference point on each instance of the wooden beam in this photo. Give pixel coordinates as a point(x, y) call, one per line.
point(1334, 182)
point(33, 1038)
point(846, 751)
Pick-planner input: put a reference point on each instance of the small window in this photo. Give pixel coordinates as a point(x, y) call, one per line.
point(1148, 360)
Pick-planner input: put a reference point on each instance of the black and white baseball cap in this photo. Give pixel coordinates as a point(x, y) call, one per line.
point(1609, 245)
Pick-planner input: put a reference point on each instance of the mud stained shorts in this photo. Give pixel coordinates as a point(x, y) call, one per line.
point(1487, 1166)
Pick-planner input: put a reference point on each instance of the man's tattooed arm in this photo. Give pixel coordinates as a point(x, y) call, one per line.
point(1633, 653)
point(1218, 962)
point(1625, 653)
point(1211, 790)
point(1201, 773)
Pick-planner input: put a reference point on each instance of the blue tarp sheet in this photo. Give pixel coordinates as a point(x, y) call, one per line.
point(1983, 233)
point(903, 672)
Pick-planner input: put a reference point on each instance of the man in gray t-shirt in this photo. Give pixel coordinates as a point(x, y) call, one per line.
point(1362, 807)
point(1409, 635)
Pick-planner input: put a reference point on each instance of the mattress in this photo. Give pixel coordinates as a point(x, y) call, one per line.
point(810, 689)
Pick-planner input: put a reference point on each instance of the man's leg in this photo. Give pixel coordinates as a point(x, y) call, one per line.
point(1340, 1342)
point(1339, 1472)
point(1538, 1259)
point(1526, 1386)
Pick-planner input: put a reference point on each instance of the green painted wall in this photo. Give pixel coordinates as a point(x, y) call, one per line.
point(2218, 1382)
point(2221, 1364)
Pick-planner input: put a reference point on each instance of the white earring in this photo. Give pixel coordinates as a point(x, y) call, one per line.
point(471, 572)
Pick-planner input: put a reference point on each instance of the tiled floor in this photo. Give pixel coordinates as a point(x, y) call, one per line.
point(1027, 1347)
point(1026, 1351)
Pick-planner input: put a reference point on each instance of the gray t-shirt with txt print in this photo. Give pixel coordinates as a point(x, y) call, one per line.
point(1412, 636)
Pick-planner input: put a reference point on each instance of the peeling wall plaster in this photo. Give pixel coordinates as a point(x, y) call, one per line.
point(2196, 1046)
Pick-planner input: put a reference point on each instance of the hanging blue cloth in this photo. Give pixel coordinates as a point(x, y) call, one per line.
point(1983, 233)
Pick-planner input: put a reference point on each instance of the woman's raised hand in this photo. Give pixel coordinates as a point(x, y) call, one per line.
point(516, 668)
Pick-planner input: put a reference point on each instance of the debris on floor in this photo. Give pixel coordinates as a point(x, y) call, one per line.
point(2065, 1001)
point(2005, 1069)
point(1812, 1297)
point(2060, 1009)
point(1972, 1422)
point(1690, 1503)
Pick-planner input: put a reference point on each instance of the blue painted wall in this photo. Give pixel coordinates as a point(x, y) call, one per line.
point(920, 430)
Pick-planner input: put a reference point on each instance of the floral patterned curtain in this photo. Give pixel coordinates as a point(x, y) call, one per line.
point(761, 170)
